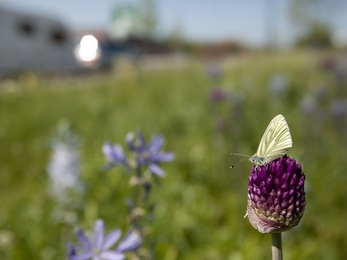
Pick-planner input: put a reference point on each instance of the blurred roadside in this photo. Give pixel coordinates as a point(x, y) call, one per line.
point(35, 43)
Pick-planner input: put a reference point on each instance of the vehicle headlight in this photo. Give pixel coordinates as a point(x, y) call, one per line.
point(87, 52)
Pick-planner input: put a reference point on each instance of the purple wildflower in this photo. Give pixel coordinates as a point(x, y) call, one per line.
point(114, 155)
point(328, 64)
point(218, 94)
point(99, 247)
point(150, 154)
point(338, 108)
point(276, 195)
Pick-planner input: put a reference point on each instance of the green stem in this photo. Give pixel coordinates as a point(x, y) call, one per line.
point(276, 240)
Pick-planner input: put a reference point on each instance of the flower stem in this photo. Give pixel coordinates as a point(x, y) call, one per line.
point(276, 241)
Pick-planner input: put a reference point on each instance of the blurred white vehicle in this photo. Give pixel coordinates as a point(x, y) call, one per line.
point(34, 43)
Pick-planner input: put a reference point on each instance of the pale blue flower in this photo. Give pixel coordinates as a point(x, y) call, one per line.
point(64, 167)
point(98, 247)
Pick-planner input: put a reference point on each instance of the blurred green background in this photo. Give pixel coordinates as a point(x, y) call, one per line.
point(201, 201)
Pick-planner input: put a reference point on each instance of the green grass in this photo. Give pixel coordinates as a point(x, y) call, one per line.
point(201, 202)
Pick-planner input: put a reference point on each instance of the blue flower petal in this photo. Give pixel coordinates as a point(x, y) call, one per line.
point(131, 241)
point(141, 145)
point(155, 169)
point(156, 144)
point(111, 238)
point(163, 157)
point(114, 153)
point(83, 256)
point(137, 144)
point(111, 255)
point(98, 233)
point(83, 239)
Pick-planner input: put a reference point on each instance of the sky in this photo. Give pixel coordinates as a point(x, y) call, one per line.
point(252, 22)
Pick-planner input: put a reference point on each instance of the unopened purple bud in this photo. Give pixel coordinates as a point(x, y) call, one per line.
point(276, 196)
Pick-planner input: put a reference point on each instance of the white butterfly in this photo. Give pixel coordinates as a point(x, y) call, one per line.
point(275, 142)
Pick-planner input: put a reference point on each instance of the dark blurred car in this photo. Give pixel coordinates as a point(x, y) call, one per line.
point(96, 54)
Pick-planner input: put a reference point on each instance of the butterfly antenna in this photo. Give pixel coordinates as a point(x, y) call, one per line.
point(240, 154)
point(232, 166)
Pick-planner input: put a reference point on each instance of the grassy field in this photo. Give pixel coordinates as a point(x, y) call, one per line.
point(201, 201)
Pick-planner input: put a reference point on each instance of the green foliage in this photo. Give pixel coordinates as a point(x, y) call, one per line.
point(318, 36)
point(201, 202)
point(314, 19)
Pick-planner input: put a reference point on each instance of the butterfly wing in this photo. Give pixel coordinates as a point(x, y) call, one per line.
point(276, 140)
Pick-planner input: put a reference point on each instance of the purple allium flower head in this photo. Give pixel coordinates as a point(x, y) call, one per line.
point(114, 155)
point(276, 195)
point(98, 248)
point(150, 154)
